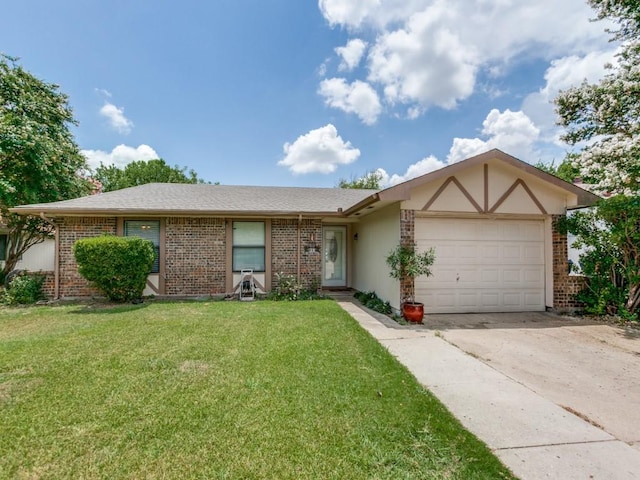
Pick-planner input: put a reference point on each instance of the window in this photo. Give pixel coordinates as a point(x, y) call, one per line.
point(148, 229)
point(3, 247)
point(248, 246)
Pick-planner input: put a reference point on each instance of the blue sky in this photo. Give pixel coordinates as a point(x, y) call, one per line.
point(293, 92)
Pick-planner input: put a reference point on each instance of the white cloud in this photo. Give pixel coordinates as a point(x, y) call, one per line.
point(319, 151)
point(357, 97)
point(428, 52)
point(120, 156)
point(424, 62)
point(351, 54)
point(346, 12)
point(562, 74)
point(424, 166)
point(512, 132)
point(103, 92)
point(116, 118)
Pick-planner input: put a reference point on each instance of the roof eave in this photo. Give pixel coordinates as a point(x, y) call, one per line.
point(75, 212)
point(370, 200)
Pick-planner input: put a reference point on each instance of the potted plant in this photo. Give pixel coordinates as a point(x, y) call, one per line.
point(405, 265)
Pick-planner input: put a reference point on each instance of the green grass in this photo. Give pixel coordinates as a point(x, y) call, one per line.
point(217, 390)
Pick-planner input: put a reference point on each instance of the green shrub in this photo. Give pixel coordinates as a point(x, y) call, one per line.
point(372, 301)
point(117, 266)
point(24, 289)
point(287, 288)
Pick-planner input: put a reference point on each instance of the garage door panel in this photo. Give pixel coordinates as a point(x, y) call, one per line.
point(533, 277)
point(533, 253)
point(490, 299)
point(468, 299)
point(511, 276)
point(490, 276)
point(512, 299)
point(482, 265)
point(489, 253)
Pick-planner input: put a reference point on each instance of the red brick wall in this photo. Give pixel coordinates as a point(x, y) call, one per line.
point(195, 256)
point(48, 286)
point(284, 250)
point(565, 286)
point(71, 229)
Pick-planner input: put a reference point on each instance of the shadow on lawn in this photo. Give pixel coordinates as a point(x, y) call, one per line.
point(108, 308)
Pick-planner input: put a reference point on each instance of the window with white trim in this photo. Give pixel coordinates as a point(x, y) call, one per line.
point(149, 230)
point(248, 246)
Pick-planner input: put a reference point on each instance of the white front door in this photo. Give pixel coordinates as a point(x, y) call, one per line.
point(334, 257)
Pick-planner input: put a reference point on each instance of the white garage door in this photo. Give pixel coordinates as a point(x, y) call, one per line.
point(482, 265)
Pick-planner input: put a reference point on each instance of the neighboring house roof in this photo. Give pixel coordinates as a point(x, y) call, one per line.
point(205, 199)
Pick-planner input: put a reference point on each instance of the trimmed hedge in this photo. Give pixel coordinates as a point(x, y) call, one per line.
point(117, 266)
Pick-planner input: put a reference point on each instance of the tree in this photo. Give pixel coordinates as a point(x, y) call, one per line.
point(370, 180)
point(142, 172)
point(566, 170)
point(39, 159)
point(610, 235)
point(606, 115)
point(605, 118)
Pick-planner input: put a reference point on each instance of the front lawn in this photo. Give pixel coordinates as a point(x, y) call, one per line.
point(217, 390)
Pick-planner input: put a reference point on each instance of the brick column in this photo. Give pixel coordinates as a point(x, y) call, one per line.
point(565, 286)
point(407, 238)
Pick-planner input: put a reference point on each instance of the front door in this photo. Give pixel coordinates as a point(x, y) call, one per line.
point(334, 251)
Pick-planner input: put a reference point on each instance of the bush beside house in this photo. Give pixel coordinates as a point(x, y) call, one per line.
point(117, 266)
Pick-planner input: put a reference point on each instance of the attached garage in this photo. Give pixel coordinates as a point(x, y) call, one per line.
point(493, 221)
point(482, 265)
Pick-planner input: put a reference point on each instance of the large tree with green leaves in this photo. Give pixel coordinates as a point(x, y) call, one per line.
point(606, 115)
point(39, 159)
point(604, 118)
point(141, 172)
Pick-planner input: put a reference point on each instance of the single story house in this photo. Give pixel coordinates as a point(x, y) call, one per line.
point(491, 219)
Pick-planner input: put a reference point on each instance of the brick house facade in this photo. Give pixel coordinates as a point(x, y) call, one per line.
point(194, 253)
point(339, 238)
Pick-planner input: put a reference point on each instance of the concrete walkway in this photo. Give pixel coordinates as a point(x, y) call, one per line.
point(533, 436)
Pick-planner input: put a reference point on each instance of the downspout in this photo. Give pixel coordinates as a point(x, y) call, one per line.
point(56, 257)
point(299, 247)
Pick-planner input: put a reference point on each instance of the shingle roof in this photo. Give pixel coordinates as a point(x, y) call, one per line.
point(175, 198)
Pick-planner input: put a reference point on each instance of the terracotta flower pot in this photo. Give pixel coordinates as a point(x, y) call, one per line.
point(413, 312)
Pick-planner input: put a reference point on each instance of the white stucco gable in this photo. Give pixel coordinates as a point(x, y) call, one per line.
point(491, 187)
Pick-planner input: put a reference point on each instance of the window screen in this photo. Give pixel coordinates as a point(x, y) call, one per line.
point(249, 246)
point(148, 229)
point(3, 247)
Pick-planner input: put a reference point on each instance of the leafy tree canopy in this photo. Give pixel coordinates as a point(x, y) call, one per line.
point(39, 159)
point(142, 172)
point(566, 170)
point(606, 116)
point(370, 180)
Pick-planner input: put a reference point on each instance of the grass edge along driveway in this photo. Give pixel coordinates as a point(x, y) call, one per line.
point(217, 390)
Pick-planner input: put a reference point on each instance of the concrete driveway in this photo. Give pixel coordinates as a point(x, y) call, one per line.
point(587, 368)
point(553, 397)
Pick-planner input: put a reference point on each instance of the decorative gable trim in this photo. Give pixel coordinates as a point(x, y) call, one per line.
point(511, 189)
point(457, 183)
